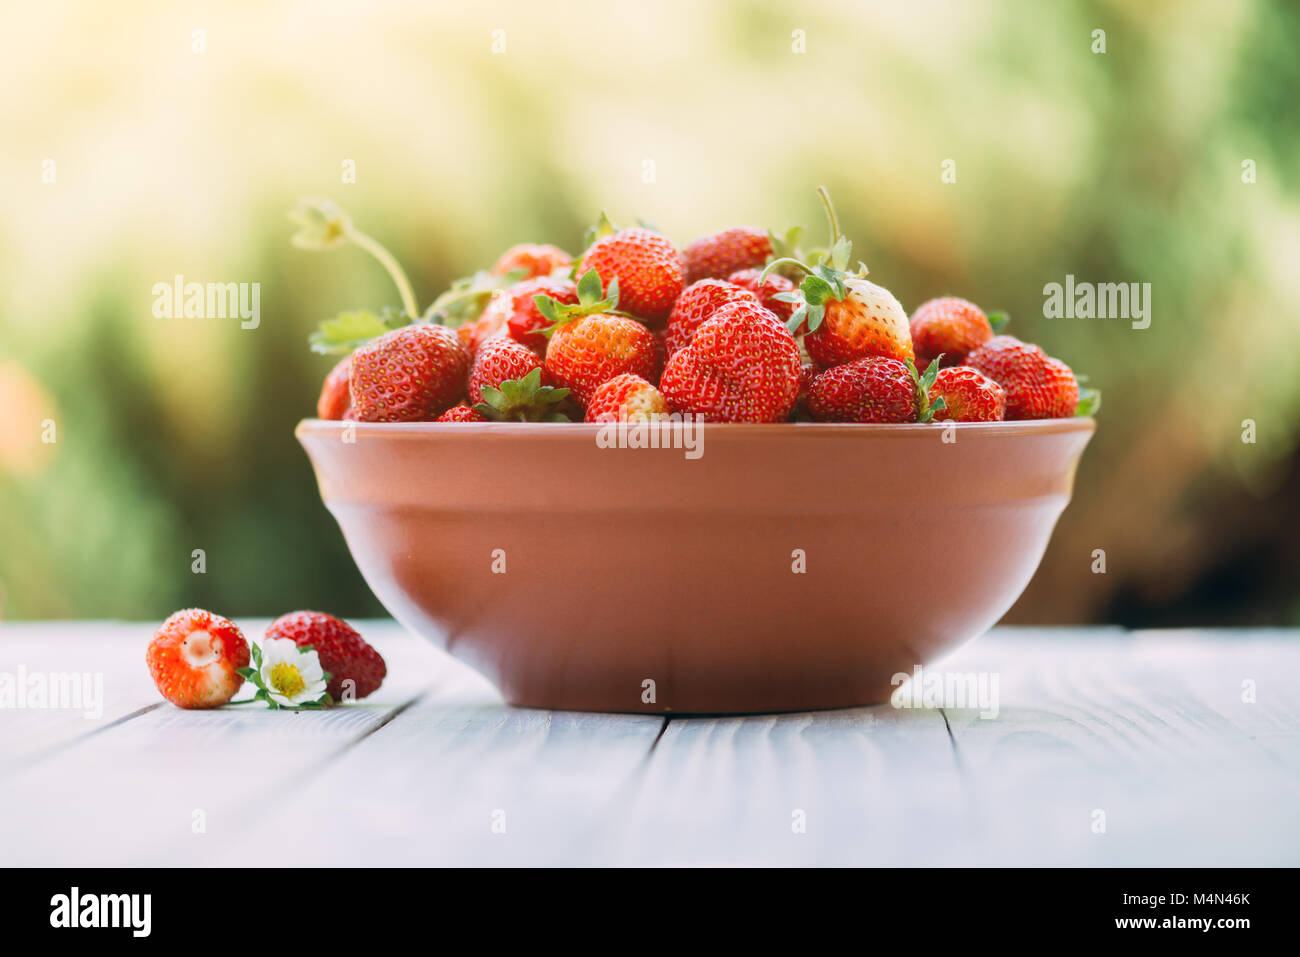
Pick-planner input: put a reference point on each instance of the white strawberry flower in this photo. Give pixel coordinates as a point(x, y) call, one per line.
point(286, 675)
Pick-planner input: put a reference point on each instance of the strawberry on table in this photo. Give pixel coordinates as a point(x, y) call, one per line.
point(627, 398)
point(194, 659)
point(646, 266)
point(531, 259)
point(355, 669)
point(1037, 386)
point(742, 365)
point(968, 396)
point(951, 327)
point(699, 301)
point(718, 255)
point(334, 395)
point(411, 374)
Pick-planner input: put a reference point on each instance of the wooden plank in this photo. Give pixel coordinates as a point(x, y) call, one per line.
point(134, 794)
point(1148, 729)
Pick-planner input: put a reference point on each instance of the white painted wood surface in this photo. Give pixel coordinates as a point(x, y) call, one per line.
point(1152, 729)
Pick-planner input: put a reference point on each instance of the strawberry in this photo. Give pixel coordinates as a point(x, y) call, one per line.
point(460, 413)
point(1037, 386)
point(355, 669)
point(497, 360)
point(627, 398)
point(949, 326)
point(194, 659)
point(742, 365)
point(589, 344)
point(525, 322)
point(719, 255)
point(408, 375)
point(874, 389)
point(843, 316)
point(767, 288)
point(698, 302)
point(531, 260)
point(968, 396)
point(334, 396)
point(647, 267)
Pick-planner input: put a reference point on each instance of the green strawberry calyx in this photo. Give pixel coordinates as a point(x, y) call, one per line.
point(322, 224)
point(1089, 402)
point(524, 400)
point(602, 228)
point(824, 278)
point(467, 297)
point(998, 321)
point(592, 300)
point(924, 382)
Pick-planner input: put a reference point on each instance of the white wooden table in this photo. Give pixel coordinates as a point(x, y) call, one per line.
point(1152, 729)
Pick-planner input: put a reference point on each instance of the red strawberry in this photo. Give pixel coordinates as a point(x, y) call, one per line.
point(767, 290)
point(719, 255)
point(460, 413)
point(1037, 386)
point(408, 375)
point(874, 389)
point(525, 322)
point(627, 398)
point(742, 365)
point(590, 350)
point(698, 302)
point(949, 327)
point(845, 317)
point(532, 260)
point(497, 360)
point(647, 266)
point(968, 396)
point(356, 670)
point(194, 659)
point(334, 396)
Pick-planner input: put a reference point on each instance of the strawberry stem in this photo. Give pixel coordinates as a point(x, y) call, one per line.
point(387, 260)
point(832, 220)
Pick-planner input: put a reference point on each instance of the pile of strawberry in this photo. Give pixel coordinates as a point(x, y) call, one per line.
point(739, 326)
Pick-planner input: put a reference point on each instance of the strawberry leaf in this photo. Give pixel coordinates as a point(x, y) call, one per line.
point(524, 400)
point(590, 290)
point(602, 228)
point(1089, 403)
point(998, 320)
point(347, 330)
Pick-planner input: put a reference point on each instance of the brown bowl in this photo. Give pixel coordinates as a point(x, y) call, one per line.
point(571, 574)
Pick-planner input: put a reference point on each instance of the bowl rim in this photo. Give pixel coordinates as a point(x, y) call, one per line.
point(824, 430)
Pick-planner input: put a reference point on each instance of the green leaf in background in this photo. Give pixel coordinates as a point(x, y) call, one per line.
point(347, 330)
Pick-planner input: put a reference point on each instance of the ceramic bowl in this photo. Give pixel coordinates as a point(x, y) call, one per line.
point(766, 568)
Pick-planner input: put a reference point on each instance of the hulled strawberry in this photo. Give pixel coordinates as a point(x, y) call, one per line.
point(968, 396)
point(647, 267)
point(590, 344)
point(408, 375)
point(334, 396)
point(843, 316)
point(525, 321)
point(718, 255)
point(767, 288)
point(698, 302)
point(874, 389)
point(951, 327)
point(626, 398)
point(742, 365)
point(355, 669)
point(497, 360)
point(531, 259)
point(460, 413)
point(1037, 386)
point(195, 657)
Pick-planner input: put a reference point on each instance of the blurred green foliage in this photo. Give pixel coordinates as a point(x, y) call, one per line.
point(176, 434)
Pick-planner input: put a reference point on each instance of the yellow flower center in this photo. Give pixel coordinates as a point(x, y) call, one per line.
point(287, 679)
